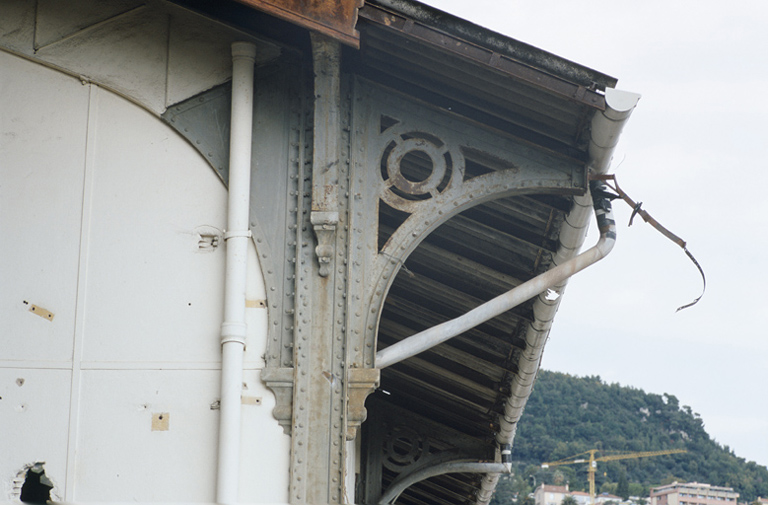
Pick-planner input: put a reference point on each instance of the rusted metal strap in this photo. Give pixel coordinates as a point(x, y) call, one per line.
point(704, 279)
point(612, 183)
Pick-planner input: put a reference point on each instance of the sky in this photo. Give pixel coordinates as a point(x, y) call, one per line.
point(694, 153)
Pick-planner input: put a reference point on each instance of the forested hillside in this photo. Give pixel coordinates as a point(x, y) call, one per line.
point(567, 415)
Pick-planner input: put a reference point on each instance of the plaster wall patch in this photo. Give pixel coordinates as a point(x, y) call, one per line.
point(161, 421)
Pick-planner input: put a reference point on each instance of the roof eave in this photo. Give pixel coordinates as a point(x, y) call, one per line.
point(506, 46)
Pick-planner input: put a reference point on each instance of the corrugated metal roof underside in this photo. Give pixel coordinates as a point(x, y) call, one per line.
point(538, 112)
point(461, 384)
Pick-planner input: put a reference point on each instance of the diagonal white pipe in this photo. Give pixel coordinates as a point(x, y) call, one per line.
point(435, 335)
point(233, 329)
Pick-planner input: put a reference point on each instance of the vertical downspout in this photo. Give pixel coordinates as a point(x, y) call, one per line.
point(233, 329)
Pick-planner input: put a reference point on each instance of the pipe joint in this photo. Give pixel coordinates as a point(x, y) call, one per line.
point(506, 453)
point(601, 199)
point(237, 233)
point(243, 50)
point(233, 332)
point(235, 340)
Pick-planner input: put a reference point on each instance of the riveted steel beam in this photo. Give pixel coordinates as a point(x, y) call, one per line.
point(326, 54)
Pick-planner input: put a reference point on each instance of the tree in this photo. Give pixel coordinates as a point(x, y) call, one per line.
point(568, 415)
point(569, 500)
point(623, 488)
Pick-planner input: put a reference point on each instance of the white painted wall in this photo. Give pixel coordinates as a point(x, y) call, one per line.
point(99, 204)
point(151, 51)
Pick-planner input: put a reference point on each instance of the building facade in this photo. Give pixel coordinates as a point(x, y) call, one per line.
point(229, 219)
point(548, 494)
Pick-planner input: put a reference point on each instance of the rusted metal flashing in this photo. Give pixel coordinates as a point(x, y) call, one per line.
point(502, 63)
point(333, 18)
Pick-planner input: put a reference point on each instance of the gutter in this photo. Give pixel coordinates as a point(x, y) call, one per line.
point(606, 129)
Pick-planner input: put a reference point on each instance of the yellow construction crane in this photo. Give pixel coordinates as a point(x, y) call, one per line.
point(581, 458)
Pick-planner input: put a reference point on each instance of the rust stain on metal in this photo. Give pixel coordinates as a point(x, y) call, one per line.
point(334, 18)
point(161, 421)
point(255, 304)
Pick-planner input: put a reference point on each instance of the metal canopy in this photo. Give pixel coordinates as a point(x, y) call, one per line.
point(460, 385)
point(456, 391)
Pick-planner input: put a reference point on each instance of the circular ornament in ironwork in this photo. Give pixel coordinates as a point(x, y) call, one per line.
point(404, 447)
point(417, 167)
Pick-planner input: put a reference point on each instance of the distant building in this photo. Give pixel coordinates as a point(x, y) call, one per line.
point(602, 498)
point(547, 494)
point(692, 493)
point(582, 498)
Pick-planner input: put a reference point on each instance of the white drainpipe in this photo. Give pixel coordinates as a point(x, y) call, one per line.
point(233, 329)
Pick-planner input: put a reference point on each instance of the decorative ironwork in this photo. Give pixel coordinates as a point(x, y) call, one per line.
point(416, 167)
point(403, 448)
point(400, 443)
